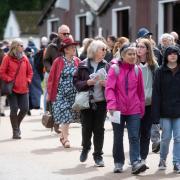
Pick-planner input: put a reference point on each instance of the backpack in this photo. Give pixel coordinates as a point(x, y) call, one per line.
point(117, 69)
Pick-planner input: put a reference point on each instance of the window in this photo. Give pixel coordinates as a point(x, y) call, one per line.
point(52, 25)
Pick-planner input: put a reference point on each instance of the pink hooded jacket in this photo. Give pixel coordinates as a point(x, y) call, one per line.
point(125, 91)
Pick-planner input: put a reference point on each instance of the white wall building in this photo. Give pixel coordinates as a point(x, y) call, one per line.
point(23, 24)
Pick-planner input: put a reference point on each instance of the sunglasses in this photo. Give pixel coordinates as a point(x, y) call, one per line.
point(65, 34)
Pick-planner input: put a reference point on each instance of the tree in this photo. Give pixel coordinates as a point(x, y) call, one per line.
point(7, 5)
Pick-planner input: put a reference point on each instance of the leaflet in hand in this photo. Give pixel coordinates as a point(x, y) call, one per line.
point(116, 117)
point(101, 74)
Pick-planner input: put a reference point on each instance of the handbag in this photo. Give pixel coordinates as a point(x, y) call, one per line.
point(81, 101)
point(47, 120)
point(7, 87)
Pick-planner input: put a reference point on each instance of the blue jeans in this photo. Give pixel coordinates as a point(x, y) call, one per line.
point(133, 125)
point(170, 126)
point(155, 133)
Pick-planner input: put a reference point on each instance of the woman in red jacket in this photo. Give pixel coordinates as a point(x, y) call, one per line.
point(16, 62)
point(61, 91)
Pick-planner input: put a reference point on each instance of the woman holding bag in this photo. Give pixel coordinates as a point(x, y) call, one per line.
point(92, 119)
point(16, 67)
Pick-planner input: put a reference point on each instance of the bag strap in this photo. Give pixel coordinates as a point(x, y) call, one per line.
point(136, 69)
point(17, 71)
point(117, 69)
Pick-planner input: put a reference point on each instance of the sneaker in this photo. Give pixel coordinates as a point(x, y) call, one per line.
point(99, 162)
point(143, 161)
point(162, 164)
point(84, 155)
point(156, 147)
point(118, 168)
point(2, 114)
point(177, 168)
point(138, 167)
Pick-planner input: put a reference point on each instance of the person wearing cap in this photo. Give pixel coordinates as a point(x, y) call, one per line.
point(125, 93)
point(87, 78)
point(61, 91)
point(143, 33)
point(165, 105)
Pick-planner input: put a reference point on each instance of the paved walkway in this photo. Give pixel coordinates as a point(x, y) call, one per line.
point(40, 156)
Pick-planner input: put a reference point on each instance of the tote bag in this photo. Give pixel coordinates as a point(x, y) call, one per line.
point(81, 101)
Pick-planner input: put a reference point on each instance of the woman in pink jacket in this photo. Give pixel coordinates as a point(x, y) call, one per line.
point(125, 93)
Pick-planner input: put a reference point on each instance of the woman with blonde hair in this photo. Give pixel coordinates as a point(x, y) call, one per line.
point(16, 67)
point(93, 119)
point(148, 64)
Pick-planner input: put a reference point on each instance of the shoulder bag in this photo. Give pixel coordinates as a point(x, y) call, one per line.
point(7, 87)
point(81, 101)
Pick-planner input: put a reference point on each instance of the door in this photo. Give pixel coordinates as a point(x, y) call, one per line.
point(123, 23)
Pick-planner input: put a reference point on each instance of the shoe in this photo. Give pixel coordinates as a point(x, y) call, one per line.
point(162, 164)
point(65, 143)
point(2, 114)
point(84, 155)
point(177, 168)
point(29, 113)
point(118, 168)
point(99, 162)
point(138, 167)
point(156, 147)
point(16, 135)
point(144, 162)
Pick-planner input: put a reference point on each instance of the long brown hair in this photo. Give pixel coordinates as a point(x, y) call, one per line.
point(119, 43)
point(150, 57)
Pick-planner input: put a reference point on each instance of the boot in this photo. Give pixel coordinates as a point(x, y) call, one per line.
point(20, 117)
point(15, 128)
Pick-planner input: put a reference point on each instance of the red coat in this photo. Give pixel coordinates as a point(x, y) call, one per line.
point(54, 76)
point(8, 70)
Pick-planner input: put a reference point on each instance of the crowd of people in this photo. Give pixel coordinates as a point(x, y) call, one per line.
point(139, 80)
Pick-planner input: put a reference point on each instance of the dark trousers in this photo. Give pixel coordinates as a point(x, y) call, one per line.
point(18, 102)
point(145, 132)
point(93, 123)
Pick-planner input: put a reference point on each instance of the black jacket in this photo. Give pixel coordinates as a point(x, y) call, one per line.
point(166, 94)
point(82, 74)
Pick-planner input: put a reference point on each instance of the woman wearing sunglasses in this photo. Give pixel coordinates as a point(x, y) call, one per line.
point(16, 67)
point(86, 78)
